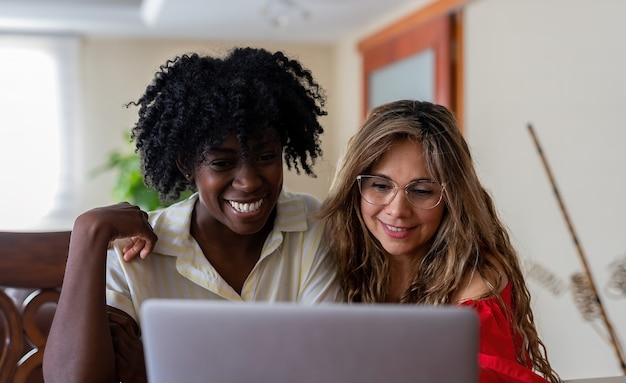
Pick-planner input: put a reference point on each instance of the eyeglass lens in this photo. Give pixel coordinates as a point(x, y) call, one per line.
point(422, 194)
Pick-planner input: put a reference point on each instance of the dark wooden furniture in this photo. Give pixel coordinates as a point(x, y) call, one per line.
point(31, 273)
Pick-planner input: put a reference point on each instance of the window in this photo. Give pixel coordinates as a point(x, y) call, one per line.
point(411, 77)
point(38, 84)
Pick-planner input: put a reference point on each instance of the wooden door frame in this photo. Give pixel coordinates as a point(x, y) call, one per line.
point(437, 25)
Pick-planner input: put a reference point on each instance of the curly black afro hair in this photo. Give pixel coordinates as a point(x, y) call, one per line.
point(196, 102)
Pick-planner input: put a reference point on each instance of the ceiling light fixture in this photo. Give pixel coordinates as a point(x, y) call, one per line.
point(281, 13)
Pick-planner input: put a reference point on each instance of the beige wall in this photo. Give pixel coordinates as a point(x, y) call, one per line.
point(557, 64)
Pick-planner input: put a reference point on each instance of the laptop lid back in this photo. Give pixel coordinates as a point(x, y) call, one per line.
point(197, 341)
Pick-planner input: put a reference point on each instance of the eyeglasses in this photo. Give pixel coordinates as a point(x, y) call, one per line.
point(380, 191)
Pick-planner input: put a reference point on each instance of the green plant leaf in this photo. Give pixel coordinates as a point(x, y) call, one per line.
point(129, 185)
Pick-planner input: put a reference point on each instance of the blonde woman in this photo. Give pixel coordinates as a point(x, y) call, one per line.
point(412, 224)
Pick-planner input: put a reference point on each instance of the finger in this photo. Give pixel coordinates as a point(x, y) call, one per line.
point(144, 243)
point(130, 254)
point(129, 245)
point(134, 248)
point(140, 246)
point(148, 245)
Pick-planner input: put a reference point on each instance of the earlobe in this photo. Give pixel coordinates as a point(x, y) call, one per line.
point(186, 173)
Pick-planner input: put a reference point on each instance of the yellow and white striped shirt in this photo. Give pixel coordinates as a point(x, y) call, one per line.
point(293, 266)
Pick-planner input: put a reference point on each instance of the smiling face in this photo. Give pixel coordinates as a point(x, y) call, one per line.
point(239, 193)
point(403, 230)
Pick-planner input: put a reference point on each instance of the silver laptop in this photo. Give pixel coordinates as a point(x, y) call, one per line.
point(198, 341)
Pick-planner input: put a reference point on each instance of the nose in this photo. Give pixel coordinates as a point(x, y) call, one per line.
point(247, 178)
point(399, 205)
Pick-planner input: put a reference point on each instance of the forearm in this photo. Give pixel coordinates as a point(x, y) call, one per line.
point(79, 346)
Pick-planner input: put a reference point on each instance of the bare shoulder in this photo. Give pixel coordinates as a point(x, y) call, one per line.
point(476, 286)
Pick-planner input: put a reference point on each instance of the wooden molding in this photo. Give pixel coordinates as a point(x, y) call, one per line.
point(387, 45)
point(430, 11)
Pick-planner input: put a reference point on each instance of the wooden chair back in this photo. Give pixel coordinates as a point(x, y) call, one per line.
point(31, 273)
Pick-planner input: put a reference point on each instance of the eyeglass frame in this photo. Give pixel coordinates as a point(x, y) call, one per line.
point(396, 188)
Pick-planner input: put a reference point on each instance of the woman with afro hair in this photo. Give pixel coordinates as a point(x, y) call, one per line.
point(220, 127)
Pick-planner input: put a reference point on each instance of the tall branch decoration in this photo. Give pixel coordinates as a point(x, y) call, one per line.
point(586, 289)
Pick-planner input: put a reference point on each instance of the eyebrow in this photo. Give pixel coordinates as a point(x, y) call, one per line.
point(423, 179)
point(221, 149)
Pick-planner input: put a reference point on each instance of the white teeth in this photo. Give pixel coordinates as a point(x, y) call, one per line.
point(396, 229)
point(246, 207)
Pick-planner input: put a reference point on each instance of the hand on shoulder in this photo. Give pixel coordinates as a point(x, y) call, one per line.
point(122, 220)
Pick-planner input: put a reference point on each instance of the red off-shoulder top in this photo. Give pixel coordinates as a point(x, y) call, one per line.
point(497, 351)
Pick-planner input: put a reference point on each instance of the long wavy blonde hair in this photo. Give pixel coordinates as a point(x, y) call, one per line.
point(470, 229)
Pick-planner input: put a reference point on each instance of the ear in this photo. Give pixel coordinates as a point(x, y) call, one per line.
point(186, 172)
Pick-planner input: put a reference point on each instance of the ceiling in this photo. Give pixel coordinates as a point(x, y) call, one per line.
point(307, 21)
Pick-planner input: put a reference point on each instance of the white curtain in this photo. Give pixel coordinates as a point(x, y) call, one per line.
point(38, 117)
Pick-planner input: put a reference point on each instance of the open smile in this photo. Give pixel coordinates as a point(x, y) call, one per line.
point(396, 232)
point(247, 207)
point(396, 229)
